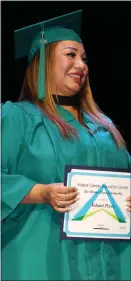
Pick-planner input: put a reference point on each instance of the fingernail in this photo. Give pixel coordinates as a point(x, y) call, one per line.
point(77, 198)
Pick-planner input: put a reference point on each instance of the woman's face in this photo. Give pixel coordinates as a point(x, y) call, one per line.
point(70, 67)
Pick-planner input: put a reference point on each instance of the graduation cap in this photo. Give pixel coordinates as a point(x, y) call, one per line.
point(30, 39)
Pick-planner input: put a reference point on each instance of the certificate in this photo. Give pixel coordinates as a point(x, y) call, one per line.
point(100, 211)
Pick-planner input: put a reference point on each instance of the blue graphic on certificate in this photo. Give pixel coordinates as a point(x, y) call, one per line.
point(100, 211)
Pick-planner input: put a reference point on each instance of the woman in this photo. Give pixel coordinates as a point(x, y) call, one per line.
point(41, 133)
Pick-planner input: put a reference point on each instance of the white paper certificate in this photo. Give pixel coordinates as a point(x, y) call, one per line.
point(100, 212)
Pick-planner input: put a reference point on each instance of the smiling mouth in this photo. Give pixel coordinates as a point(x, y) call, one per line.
point(76, 78)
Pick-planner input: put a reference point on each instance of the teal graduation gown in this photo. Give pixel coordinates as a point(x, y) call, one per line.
point(33, 151)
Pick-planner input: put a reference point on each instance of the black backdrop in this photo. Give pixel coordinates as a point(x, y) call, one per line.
point(106, 37)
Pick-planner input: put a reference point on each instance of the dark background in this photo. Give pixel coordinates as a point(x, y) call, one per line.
point(106, 37)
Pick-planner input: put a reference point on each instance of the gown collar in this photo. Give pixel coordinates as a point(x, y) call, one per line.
point(68, 116)
point(33, 109)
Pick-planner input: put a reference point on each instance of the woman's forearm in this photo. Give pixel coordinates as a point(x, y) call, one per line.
point(37, 195)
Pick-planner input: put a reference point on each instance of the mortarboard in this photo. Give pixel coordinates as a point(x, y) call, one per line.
point(30, 39)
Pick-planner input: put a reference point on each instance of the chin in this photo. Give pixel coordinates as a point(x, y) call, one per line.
point(75, 90)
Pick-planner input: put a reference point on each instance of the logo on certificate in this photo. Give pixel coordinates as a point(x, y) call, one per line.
point(84, 211)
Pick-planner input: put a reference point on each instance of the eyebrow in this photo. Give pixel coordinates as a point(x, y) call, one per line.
point(74, 49)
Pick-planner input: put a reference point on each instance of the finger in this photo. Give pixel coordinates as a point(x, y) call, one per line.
point(65, 189)
point(64, 204)
point(67, 196)
point(128, 198)
point(63, 210)
point(128, 204)
point(71, 189)
point(128, 208)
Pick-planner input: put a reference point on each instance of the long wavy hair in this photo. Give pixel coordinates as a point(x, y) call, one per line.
point(48, 106)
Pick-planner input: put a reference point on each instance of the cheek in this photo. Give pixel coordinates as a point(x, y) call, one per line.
point(58, 72)
point(86, 71)
point(85, 74)
point(62, 69)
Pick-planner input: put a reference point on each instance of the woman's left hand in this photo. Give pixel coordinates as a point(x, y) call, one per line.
point(128, 203)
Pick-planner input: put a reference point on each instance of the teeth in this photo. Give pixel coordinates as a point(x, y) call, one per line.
point(75, 75)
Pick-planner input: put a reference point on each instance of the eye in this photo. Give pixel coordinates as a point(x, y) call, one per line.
point(71, 54)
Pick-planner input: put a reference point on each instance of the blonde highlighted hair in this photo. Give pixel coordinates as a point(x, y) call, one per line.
point(48, 106)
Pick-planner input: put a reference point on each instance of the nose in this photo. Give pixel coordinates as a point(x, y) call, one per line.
point(80, 65)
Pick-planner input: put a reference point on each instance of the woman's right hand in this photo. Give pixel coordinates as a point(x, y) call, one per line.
point(61, 197)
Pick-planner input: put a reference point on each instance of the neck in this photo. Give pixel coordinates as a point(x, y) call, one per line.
point(73, 101)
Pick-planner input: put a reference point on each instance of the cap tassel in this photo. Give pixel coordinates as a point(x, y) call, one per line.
point(41, 74)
